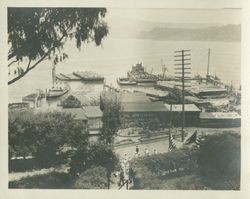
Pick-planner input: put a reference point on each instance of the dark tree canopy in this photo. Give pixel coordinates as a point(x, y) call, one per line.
point(219, 160)
point(36, 34)
point(43, 134)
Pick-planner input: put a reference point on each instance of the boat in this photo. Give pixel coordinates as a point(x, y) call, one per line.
point(71, 77)
point(139, 75)
point(58, 89)
point(125, 81)
point(88, 76)
point(61, 77)
point(56, 92)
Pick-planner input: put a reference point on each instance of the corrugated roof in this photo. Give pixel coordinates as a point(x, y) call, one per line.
point(134, 97)
point(77, 113)
point(207, 90)
point(144, 107)
point(188, 107)
point(219, 115)
point(92, 111)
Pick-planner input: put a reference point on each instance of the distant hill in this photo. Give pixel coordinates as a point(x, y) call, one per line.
point(213, 33)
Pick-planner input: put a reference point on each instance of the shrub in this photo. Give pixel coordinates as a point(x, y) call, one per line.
point(93, 178)
point(219, 161)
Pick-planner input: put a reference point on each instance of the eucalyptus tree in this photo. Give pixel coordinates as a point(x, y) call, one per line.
point(38, 34)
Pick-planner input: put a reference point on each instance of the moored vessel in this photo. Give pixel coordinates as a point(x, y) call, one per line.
point(125, 81)
point(88, 76)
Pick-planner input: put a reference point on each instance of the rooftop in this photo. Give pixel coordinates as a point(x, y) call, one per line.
point(134, 97)
point(77, 113)
point(144, 107)
point(219, 115)
point(178, 107)
point(208, 89)
point(92, 111)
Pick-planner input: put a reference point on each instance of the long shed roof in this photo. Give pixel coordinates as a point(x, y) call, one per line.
point(92, 111)
point(144, 107)
point(178, 107)
point(77, 113)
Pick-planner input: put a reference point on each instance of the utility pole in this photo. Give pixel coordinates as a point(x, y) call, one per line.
point(208, 62)
point(182, 72)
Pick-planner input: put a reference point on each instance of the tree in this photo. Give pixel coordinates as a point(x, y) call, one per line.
point(99, 154)
point(111, 106)
point(43, 134)
point(219, 161)
point(37, 34)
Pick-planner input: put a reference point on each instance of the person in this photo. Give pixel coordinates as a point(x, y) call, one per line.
point(131, 175)
point(137, 149)
point(126, 177)
point(121, 181)
point(155, 152)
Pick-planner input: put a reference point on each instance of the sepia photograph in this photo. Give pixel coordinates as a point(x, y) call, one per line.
point(108, 98)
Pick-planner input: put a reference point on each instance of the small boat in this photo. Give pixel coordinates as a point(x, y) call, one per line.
point(88, 76)
point(57, 89)
point(61, 77)
point(70, 77)
point(56, 92)
point(125, 81)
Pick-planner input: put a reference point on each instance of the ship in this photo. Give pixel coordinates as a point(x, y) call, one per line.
point(125, 81)
point(139, 75)
point(58, 89)
point(69, 77)
point(89, 76)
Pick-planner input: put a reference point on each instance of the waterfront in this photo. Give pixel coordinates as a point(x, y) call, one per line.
point(117, 55)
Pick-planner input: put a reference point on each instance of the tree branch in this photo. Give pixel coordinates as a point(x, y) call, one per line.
point(12, 62)
point(34, 65)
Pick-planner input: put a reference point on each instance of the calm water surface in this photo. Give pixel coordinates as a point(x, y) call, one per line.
point(116, 56)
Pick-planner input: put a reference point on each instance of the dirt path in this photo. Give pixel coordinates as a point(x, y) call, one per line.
point(19, 175)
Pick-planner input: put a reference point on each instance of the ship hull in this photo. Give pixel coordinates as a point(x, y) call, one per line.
point(55, 94)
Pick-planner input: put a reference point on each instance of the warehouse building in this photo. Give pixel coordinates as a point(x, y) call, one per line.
point(192, 114)
point(220, 119)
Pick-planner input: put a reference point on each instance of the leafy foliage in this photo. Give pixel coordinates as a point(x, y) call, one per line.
point(38, 33)
point(173, 170)
point(98, 154)
point(111, 106)
point(219, 160)
point(43, 134)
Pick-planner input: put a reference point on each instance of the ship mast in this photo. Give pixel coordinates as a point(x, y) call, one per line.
point(208, 62)
point(163, 69)
point(53, 75)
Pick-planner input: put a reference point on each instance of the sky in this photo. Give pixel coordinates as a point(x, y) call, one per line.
point(221, 16)
point(133, 21)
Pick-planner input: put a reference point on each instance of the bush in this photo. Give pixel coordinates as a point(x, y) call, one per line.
point(95, 155)
point(43, 134)
point(167, 171)
point(219, 161)
point(93, 178)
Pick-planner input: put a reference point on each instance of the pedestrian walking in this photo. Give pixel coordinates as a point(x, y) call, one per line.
point(137, 149)
point(126, 177)
point(146, 152)
point(131, 175)
point(155, 152)
point(121, 181)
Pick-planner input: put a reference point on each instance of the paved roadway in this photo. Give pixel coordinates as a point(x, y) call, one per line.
point(160, 145)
